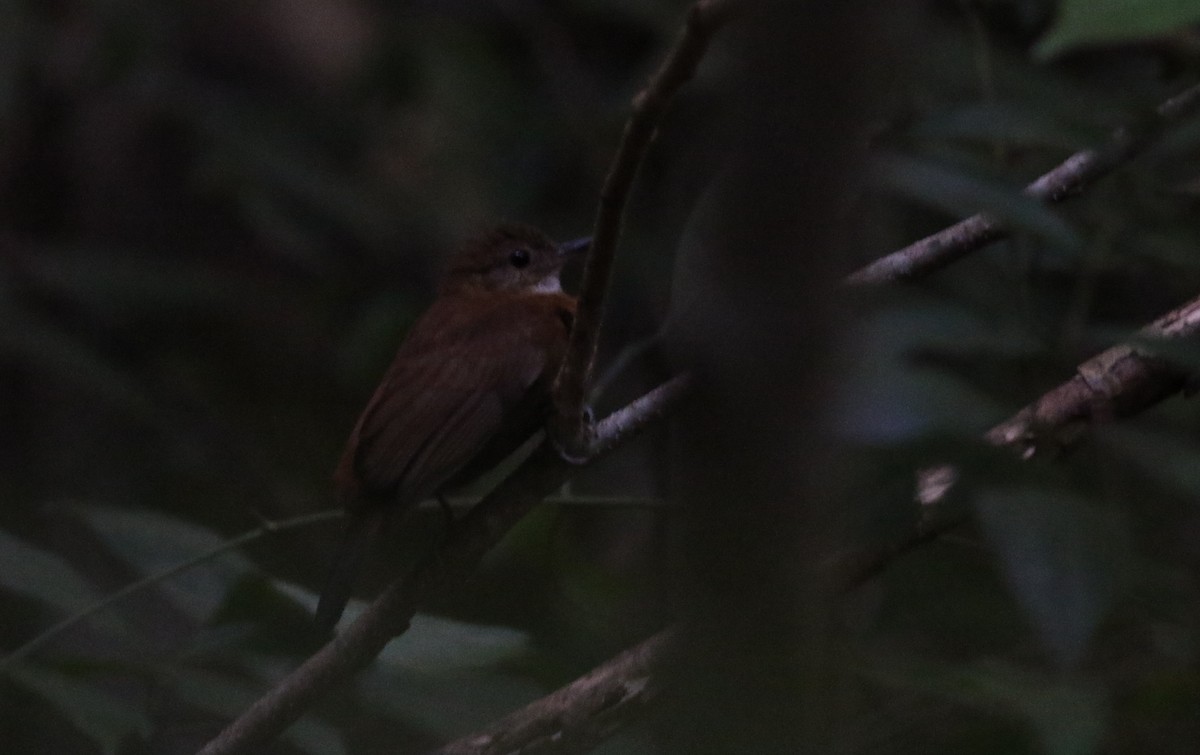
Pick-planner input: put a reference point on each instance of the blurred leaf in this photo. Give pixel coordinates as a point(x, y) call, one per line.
point(1173, 246)
point(119, 284)
point(433, 644)
point(1009, 122)
point(885, 397)
point(107, 719)
point(448, 704)
point(152, 541)
point(256, 614)
point(1086, 22)
point(44, 347)
point(437, 645)
point(1183, 353)
point(962, 194)
point(230, 697)
point(443, 676)
point(1167, 693)
point(255, 151)
point(43, 575)
point(1059, 556)
point(372, 339)
point(1068, 715)
point(1170, 459)
point(595, 593)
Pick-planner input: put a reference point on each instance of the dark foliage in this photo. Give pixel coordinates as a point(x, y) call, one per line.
point(217, 220)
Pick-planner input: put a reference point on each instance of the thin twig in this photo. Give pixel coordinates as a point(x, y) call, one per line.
point(235, 543)
point(585, 502)
point(581, 715)
point(1120, 382)
point(568, 430)
point(854, 568)
point(1069, 177)
point(449, 565)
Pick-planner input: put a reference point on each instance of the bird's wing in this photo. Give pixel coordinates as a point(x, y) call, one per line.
point(438, 407)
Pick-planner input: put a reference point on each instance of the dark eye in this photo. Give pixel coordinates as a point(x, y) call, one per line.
point(519, 258)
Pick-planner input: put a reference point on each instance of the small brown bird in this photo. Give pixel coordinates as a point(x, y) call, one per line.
point(469, 384)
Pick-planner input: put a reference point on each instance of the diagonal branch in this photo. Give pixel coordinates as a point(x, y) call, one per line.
point(581, 715)
point(1122, 381)
point(570, 389)
point(448, 566)
point(1118, 382)
point(1069, 177)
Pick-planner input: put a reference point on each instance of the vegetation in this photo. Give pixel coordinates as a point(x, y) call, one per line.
point(217, 220)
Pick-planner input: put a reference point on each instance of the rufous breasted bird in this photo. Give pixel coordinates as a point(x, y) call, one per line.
point(469, 385)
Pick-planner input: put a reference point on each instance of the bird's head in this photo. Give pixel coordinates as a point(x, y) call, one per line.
point(513, 258)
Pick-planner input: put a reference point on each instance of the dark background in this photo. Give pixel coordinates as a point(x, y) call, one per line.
point(218, 219)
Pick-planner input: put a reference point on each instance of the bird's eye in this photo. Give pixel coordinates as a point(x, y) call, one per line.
point(519, 258)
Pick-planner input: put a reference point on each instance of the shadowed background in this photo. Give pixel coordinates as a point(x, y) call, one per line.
point(218, 219)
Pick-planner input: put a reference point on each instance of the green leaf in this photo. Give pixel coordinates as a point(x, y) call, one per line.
point(1060, 559)
point(433, 644)
point(1085, 22)
point(443, 676)
point(108, 720)
point(1007, 122)
point(1167, 458)
point(230, 697)
point(151, 541)
point(884, 399)
point(437, 645)
point(451, 704)
point(962, 193)
point(43, 575)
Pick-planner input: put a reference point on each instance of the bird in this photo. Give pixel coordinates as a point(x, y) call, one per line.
point(469, 384)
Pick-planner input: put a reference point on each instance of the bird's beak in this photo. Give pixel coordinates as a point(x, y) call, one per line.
point(571, 248)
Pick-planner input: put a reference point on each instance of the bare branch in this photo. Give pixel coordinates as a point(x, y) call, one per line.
point(617, 426)
point(1119, 382)
point(448, 566)
point(581, 715)
point(1069, 177)
point(570, 389)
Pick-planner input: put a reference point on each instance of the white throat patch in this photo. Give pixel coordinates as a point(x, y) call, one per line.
point(548, 285)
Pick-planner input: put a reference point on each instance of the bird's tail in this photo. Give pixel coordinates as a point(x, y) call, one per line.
point(364, 526)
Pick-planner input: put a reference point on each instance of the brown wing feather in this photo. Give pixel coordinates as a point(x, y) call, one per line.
point(453, 386)
point(463, 391)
